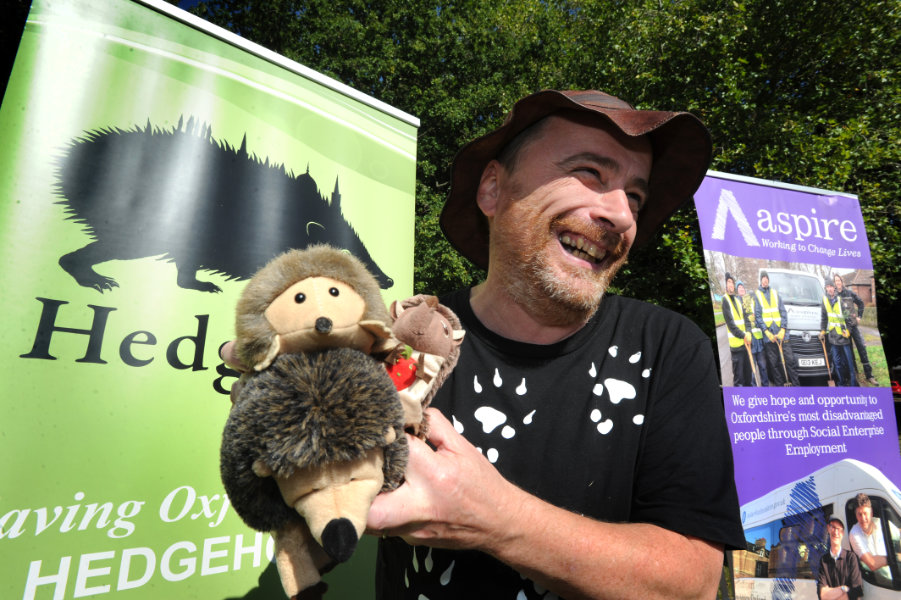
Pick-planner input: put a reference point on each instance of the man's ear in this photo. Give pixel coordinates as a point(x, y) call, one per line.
point(488, 192)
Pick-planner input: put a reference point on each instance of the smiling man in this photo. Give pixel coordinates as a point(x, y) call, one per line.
point(838, 577)
point(579, 448)
point(867, 540)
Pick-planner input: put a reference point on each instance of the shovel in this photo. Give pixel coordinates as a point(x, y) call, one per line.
point(753, 365)
point(828, 368)
point(784, 370)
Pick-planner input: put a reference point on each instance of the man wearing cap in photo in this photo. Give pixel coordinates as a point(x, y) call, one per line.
point(758, 358)
point(771, 318)
point(834, 329)
point(738, 331)
point(579, 448)
point(838, 577)
point(852, 307)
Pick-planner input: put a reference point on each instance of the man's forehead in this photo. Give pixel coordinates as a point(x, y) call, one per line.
point(591, 123)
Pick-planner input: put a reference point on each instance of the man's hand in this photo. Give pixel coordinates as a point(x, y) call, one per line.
point(770, 336)
point(452, 497)
point(781, 334)
point(748, 339)
point(822, 335)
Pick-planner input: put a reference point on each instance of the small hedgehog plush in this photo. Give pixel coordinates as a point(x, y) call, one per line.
point(433, 334)
point(316, 428)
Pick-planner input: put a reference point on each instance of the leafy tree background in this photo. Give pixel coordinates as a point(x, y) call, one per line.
point(800, 92)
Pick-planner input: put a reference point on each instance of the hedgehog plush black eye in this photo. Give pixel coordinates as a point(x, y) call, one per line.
point(299, 298)
point(333, 291)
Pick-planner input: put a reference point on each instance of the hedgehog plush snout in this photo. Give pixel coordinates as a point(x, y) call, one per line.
point(323, 325)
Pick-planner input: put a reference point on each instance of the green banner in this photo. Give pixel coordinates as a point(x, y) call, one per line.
point(150, 165)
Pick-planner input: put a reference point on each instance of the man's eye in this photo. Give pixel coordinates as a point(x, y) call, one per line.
point(636, 202)
point(590, 171)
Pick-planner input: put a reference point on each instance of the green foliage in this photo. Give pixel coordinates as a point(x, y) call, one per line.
point(800, 92)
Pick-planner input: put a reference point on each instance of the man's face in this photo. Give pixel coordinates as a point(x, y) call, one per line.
point(563, 219)
point(864, 516)
point(765, 281)
point(830, 290)
point(836, 533)
point(741, 289)
point(730, 287)
point(838, 283)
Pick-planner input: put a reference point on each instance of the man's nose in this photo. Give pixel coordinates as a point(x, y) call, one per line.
point(612, 210)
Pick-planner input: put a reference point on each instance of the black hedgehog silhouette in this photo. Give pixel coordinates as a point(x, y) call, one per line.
point(182, 196)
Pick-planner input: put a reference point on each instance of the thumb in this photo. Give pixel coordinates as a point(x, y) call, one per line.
point(230, 358)
point(441, 431)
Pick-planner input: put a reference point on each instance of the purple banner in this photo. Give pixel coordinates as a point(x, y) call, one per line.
point(805, 381)
point(756, 220)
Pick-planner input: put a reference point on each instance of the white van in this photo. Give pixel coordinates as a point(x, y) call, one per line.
point(802, 296)
point(785, 531)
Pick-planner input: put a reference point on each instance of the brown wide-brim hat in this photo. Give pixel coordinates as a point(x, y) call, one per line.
point(681, 155)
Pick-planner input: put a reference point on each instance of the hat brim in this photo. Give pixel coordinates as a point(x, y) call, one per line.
point(681, 155)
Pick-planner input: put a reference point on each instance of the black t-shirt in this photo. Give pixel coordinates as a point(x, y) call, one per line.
point(621, 422)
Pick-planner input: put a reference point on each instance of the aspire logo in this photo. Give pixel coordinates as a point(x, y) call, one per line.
point(795, 225)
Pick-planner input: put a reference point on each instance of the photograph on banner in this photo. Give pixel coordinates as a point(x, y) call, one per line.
point(814, 350)
point(805, 385)
point(151, 164)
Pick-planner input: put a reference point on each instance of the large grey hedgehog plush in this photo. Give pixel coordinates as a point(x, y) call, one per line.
point(316, 429)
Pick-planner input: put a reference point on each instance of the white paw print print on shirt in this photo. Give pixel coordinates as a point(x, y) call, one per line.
point(490, 418)
point(617, 390)
point(428, 564)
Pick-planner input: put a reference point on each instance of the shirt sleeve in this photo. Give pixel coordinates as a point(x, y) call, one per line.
point(729, 318)
point(782, 314)
point(855, 582)
point(821, 576)
point(684, 478)
point(858, 541)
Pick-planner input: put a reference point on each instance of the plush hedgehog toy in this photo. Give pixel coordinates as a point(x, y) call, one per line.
point(316, 429)
point(432, 334)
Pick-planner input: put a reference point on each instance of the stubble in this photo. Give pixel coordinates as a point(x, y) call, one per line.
point(553, 292)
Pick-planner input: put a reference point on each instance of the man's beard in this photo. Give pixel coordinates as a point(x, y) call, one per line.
point(554, 293)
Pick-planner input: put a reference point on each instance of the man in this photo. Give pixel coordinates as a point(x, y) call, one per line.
point(852, 319)
point(771, 318)
point(832, 325)
point(575, 478)
point(867, 540)
point(757, 355)
point(839, 574)
point(738, 331)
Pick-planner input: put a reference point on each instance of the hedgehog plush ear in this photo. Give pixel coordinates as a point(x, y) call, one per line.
point(396, 309)
point(275, 348)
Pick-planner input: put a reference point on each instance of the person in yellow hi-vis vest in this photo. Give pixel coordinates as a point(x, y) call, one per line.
point(771, 318)
point(853, 310)
point(834, 328)
point(756, 336)
point(738, 329)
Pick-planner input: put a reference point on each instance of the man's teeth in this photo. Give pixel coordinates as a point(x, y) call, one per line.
point(580, 248)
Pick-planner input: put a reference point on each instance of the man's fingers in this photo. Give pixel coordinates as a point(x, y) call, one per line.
point(227, 354)
point(389, 510)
